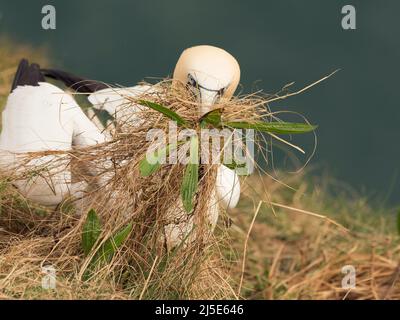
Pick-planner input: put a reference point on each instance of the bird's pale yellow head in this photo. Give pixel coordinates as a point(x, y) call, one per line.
point(210, 73)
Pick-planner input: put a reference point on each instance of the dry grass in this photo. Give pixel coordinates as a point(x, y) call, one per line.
point(296, 256)
point(290, 256)
point(144, 267)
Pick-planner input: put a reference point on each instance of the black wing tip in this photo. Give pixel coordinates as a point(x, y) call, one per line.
point(32, 74)
point(22, 67)
point(74, 82)
point(23, 63)
point(27, 75)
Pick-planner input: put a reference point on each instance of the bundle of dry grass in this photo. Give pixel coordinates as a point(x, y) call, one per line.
point(126, 200)
point(143, 265)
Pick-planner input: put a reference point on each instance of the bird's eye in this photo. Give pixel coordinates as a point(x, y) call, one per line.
point(191, 81)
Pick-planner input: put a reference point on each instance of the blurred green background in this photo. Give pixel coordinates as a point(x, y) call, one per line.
point(276, 42)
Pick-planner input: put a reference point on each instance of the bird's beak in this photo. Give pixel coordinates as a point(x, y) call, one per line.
point(207, 100)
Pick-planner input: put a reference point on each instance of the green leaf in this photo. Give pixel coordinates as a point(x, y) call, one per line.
point(191, 176)
point(91, 231)
point(213, 117)
point(146, 168)
point(274, 127)
point(165, 111)
point(234, 165)
point(110, 246)
point(107, 250)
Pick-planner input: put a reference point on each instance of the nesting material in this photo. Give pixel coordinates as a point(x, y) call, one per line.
point(121, 196)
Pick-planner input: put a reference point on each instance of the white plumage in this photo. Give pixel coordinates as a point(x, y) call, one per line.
point(44, 118)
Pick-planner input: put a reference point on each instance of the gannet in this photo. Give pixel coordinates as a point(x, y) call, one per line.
point(39, 116)
point(209, 72)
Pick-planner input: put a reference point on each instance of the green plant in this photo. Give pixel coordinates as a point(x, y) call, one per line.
point(90, 236)
point(91, 231)
point(212, 119)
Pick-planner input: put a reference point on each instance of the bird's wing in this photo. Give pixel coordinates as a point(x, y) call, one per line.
point(85, 132)
point(45, 118)
point(36, 119)
point(110, 105)
point(27, 75)
point(39, 116)
point(111, 98)
point(116, 102)
point(74, 82)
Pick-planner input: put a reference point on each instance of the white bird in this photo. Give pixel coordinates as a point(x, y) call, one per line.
point(39, 116)
point(211, 74)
